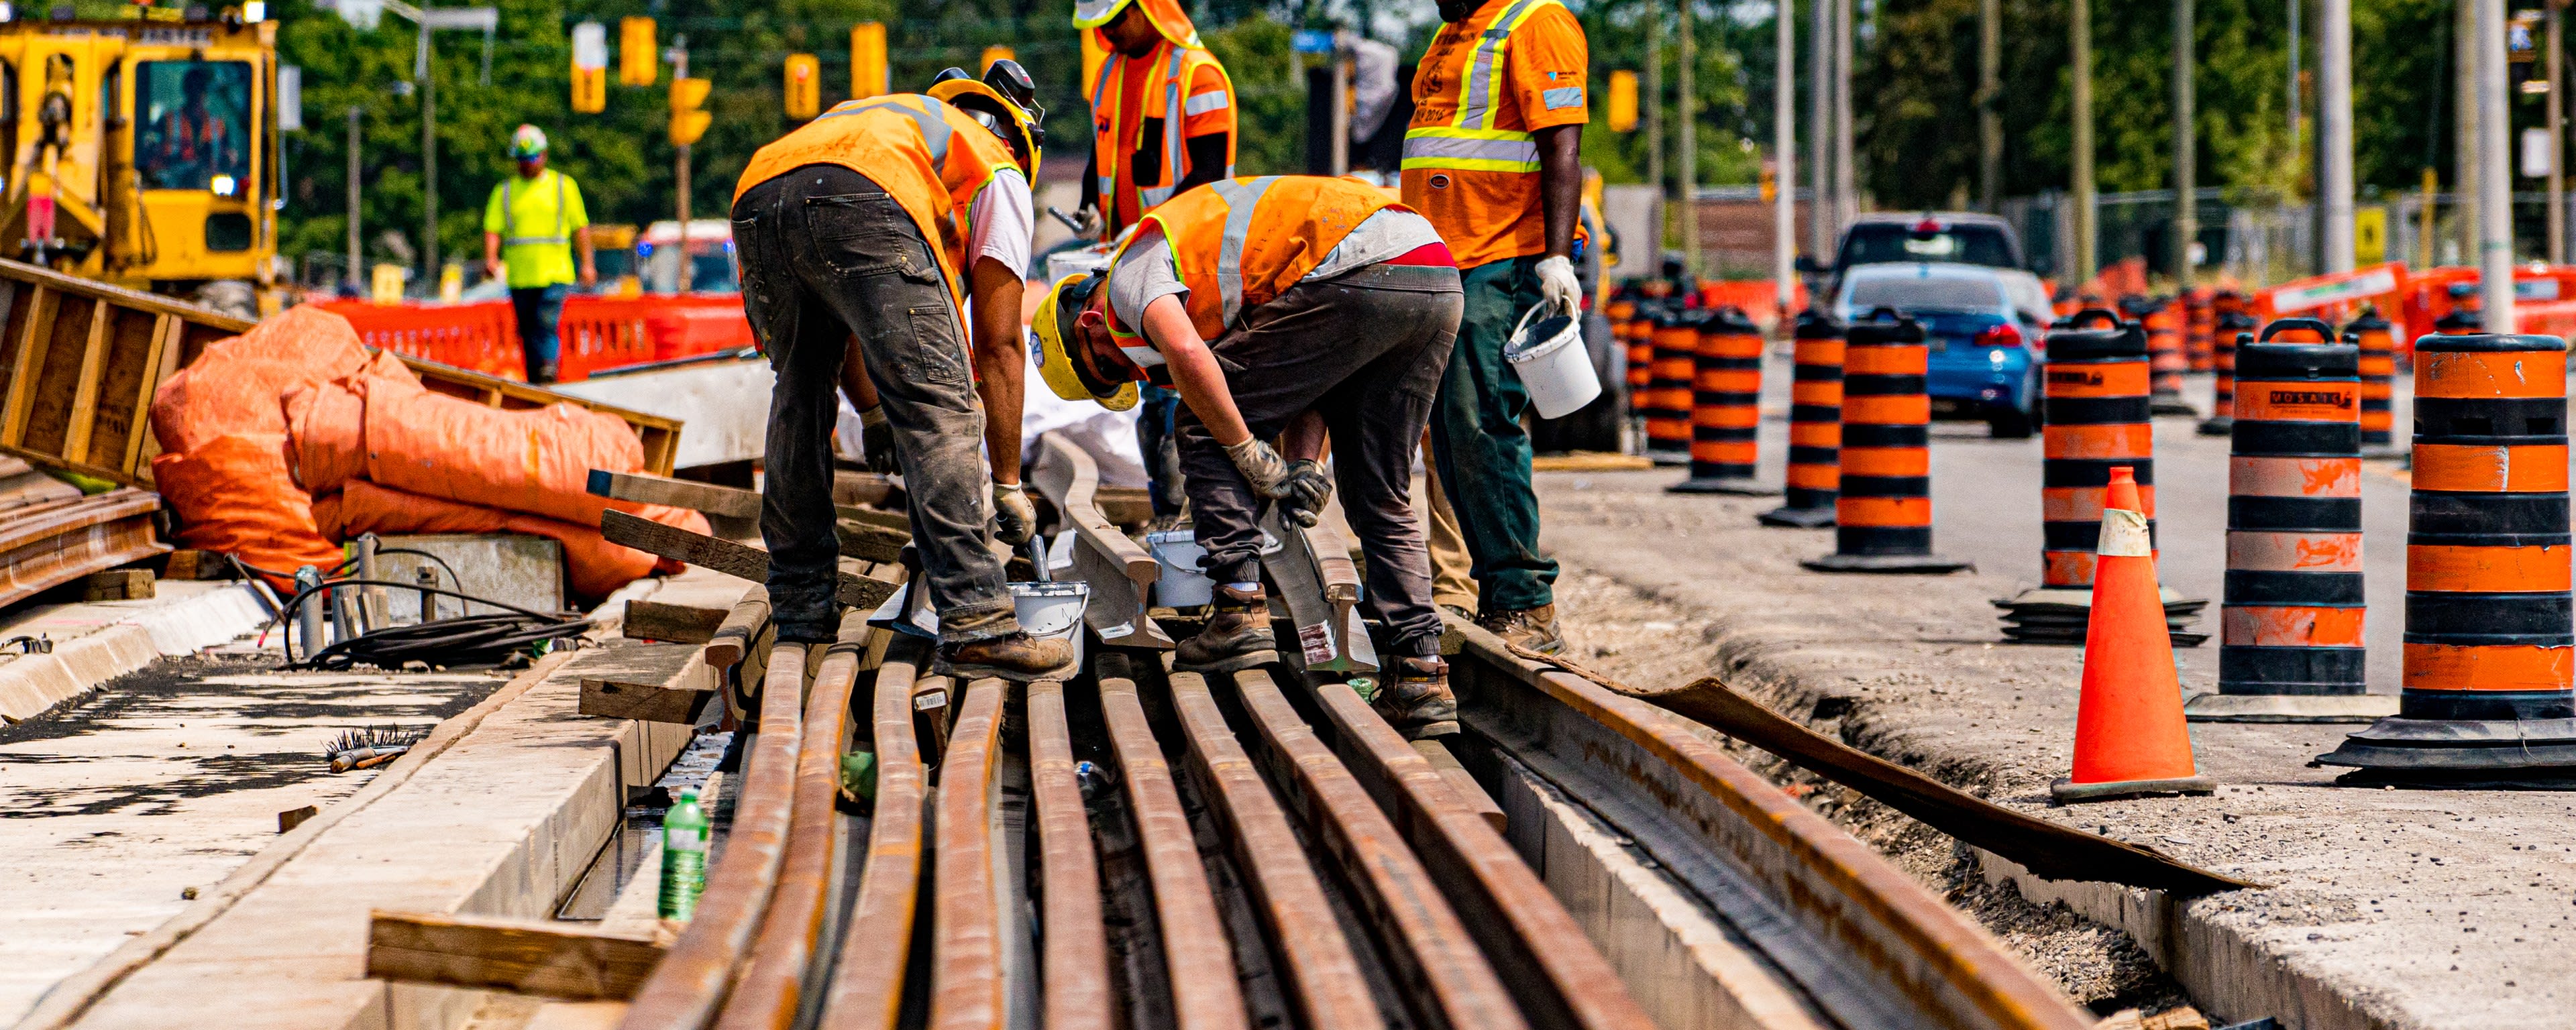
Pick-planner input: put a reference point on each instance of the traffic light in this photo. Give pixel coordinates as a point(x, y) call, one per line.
point(992, 54)
point(589, 68)
point(638, 62)
point(1623, 101)
point(868, 61)
point(804, 86)
point(688, 119)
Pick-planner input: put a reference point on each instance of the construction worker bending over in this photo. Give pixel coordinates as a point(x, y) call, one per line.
point(865, 222)
point(1295, 304)
point(531, 226)
point(1493, 158)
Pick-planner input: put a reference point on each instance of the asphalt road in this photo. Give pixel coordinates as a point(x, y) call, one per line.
point(1986, 510)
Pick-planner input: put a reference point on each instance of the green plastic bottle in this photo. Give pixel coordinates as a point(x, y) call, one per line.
point(684, 857)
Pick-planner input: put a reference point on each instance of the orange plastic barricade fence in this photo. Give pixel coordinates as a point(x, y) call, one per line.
point(597, 333)
point(1757, 298)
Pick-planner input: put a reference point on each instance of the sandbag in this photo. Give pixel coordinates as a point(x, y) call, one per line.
point(326, 428)
point(234, 495)
point(234, 388)
point(593, 567)
point(536, 461)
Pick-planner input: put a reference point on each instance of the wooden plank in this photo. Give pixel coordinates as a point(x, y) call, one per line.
point(677, 493)
point(676, 623)
point(868, 542)
point(29, 365)
point(555, 960)
point(860, 488)
point(738, 560)
point(49, 410)
point(733, 637)
point(118, 585)
point(82, 419)
point(648, 683)
point(165, 347)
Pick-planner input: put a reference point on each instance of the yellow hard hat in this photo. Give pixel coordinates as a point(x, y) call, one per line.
point(1008, 119)
point(1051, 333)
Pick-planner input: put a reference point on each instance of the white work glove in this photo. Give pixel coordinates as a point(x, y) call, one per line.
point(1015, 520)
point(1260, 465)
point(1557, 286)
point(877, 439)
point(1086, 222)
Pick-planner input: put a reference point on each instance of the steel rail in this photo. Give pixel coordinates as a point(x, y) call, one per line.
point(1118, 570)
point(1196, 950)
point(1559, 976)
point(691, 981)
point(772, 984)
point(1436, 961)
point(1715, 825)
point(966, 976)
point(1075, 965)
point(876, 943)
point(1330, 990)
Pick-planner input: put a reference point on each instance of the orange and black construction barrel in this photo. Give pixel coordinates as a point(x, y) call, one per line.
point(2290, 620)
point(2490, 648)
point(1883, 511)
point(1621, 310)
point(2200, 329)
point(2165, 359)
point(1637, 334)
point(1815, 425)
point(2235, 329)
point(2378, 343)
point(1726, 406)
point(1675, 357)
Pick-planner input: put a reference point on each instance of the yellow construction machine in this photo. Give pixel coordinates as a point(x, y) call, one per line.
point(143, 152)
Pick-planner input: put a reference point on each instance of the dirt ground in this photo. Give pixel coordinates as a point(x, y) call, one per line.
point(2368, 886)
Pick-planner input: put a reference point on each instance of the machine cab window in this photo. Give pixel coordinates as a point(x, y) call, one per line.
point(195, 126)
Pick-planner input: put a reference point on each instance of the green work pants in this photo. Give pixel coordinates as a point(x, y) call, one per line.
point(1482, 453)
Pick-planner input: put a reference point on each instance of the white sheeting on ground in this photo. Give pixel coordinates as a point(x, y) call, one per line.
point(1109, 436)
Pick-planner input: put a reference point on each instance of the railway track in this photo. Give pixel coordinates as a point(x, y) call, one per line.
point(1142, 848)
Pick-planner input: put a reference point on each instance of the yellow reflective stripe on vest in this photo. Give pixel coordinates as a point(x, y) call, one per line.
point(931, 118)
point(1241, 197)
point(1469, 142)
point(510, 213)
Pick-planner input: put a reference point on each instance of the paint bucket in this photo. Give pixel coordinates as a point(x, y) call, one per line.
point(1553, 363)
point(1181, 584)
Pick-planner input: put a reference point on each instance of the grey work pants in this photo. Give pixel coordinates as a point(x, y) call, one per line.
point(825, 254)
point(1365, 350)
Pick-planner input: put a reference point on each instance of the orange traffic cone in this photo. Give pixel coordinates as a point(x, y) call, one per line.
point(2130, 738)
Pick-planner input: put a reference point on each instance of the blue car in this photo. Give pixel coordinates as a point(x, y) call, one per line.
point(1983, 335)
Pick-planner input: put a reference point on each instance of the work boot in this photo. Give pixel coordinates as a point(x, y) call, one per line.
point(1415, 699)
point(1237, 635)
point(1018, 657)
point(1533, 628)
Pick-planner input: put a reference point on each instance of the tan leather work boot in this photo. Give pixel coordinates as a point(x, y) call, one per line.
point(1415, 699)
point(1018, 657)
point(1237, 635)
point(1533, 628)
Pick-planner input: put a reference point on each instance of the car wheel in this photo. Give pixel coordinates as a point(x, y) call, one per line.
point(2010, 423)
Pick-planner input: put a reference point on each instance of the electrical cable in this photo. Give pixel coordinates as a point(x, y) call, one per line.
point(464, 640)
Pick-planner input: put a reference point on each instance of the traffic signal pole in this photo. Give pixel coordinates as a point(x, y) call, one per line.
point(680, 73)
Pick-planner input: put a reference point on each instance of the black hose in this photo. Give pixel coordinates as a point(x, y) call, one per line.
point(464, 640)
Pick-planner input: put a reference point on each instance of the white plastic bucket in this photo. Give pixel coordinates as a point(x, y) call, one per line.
point(1181, 584)
point(1553, 363)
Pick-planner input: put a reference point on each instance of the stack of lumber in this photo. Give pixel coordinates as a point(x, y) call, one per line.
point(51, 535)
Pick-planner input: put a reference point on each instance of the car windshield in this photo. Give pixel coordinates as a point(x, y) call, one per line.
point(1877, 243)
point(196, 117)
point(1923, 293)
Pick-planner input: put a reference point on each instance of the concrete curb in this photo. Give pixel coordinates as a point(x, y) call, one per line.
point(32, 684)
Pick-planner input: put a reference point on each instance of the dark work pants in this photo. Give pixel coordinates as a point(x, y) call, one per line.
point(825, 254)
point(539, 309)
point(1156, 407)
point(1365, 350)
point(1482, 453)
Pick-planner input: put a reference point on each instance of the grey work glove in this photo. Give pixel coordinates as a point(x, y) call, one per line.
point(1261, 466)
point(1015, 520)
point(1308, 489)
point(876, 438)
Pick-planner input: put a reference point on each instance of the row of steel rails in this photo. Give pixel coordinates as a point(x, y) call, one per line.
point(1136, 847)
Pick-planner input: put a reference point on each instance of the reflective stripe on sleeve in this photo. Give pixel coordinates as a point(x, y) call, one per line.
point(1562, 97)
point(1212, 100)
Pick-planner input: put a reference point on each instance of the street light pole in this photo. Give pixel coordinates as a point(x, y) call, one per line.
point(355, 275)
point(2079, 29)
point(680, 70)
point(2495, 199)
point(1820, 129)
point(1686, 113)
point(2186, 178)
point(2334, 134)
point(2556, 111)
point(2465, 178)
point(1990, 116)
point(1655, 127)
point(1846, 169)
point(1784, 157)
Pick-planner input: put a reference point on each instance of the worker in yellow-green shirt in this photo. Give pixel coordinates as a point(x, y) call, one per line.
point(530, 228)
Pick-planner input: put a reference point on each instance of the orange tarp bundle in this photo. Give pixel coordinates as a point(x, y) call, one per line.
point(262, 425)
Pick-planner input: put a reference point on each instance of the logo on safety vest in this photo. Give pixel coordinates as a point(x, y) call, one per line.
point(1439, 181)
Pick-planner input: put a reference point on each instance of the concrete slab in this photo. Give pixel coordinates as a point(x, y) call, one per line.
point(98, 641)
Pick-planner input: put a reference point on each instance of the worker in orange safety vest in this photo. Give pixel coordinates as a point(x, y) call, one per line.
point(1493, 158)
point(863, 236)
point(1298, 305)
point(1156, 75)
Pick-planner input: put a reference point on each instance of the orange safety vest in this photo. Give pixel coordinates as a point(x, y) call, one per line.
point(1238, 243)
point(927, 154)
point(1170, 68)
point(1456, 136)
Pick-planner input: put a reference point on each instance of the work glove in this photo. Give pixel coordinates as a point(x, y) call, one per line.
point(876, 438)
point(1557, 286)
point(1261, 466)
point(1015, 520)
point(1308, 489)
point(1086, 222)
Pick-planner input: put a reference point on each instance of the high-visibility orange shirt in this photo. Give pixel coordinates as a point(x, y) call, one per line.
point(1207, 105)
point(1470, 165)
point(1238, 243)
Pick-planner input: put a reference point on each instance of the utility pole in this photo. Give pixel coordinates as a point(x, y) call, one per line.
point(2556, 109)
point(2465, 179)
point(2079, 31)
point(357, 280)
point(2334, 134)
point(2186, 225)
point(1655, 125)
point(423, 69)
point(1846, 170)
point(1686, 112)
point(1990, 93)
point(680, 70)
point(2495, 197)
point(2295, 106)
point(1820, 130)
point(1784, 158)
